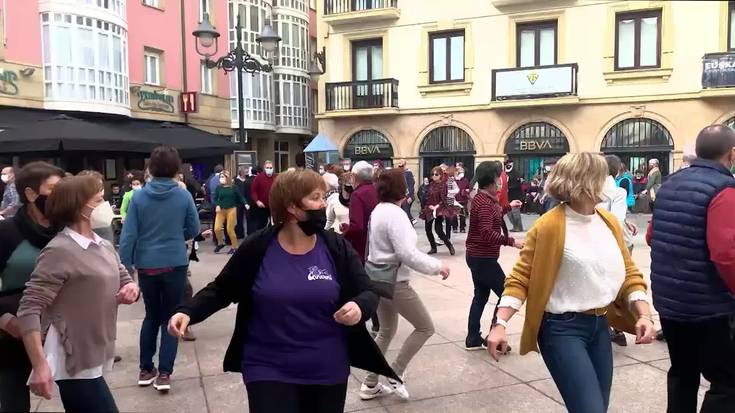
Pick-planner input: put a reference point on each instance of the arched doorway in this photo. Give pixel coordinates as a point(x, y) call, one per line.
point(638, 140)
point(368, 145)
point(449, 145)
point(534, 145)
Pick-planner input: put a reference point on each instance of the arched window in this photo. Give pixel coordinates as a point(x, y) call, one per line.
point(368, 144)
point(636, 135)
point(537, 138)
point(447, 139)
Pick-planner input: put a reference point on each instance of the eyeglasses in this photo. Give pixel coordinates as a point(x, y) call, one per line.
point(436, 175)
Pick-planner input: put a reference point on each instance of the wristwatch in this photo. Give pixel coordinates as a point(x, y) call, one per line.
point(501, 322)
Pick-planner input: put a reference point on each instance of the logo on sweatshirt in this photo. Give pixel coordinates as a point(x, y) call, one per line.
point(316, 273)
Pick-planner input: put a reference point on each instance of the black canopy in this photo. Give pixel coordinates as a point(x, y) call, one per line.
point(27, 130)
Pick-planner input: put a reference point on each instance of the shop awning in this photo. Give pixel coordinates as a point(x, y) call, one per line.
point(27, 130)
point(321, 143)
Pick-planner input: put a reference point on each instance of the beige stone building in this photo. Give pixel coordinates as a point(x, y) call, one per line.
point(468, 80)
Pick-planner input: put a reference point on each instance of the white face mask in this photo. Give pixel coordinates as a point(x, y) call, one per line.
point(346, 167)
point(269, 171)
point(321, 171)
point(136, 187)
point(102, 215)
point(460, 176)
point(222, 181)
point(5, 178)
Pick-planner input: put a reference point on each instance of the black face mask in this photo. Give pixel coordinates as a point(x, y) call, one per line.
point(40, 203)
point(349, 189)
point(314, 222)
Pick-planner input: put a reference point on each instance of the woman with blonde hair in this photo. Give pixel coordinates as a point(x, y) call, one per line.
point(576, 276)
point(226, 200)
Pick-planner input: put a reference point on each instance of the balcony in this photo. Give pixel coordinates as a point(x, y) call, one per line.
point(343, 12)
point(364, 94)
point(539, 82)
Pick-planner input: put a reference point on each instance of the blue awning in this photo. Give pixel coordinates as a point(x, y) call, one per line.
point(321, 143)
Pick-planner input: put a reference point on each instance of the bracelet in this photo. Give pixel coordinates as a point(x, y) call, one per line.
point(647, 317)
point(500, 322)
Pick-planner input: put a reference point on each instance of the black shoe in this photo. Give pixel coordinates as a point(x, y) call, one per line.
point(478, 343)
point(432, 251)
point(218, 248)
point(618, 337)
point(450, 247)
point(117, 359)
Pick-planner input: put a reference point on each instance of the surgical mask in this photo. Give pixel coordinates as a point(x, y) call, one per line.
point(460, 176)
point(136, 187)
point(40, 203)
point(269, 171)
point(346, 167)
point(101, 215)
point(5, 178)
point(321, 171)
point(315, 220)
point(222, 181)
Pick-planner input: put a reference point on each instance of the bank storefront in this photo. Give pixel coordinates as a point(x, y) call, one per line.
point(368, 145)
point(447, 145)
point(638, 140)
point(535, 145)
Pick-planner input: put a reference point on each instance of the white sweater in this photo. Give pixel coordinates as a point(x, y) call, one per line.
point(392, 239)
point(337, 214)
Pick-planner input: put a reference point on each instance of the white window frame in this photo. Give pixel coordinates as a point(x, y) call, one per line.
point(151, 3)
point(205, 7)
point(155, 58)
point(207, 80)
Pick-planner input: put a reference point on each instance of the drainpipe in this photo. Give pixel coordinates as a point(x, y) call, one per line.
point(185, 83)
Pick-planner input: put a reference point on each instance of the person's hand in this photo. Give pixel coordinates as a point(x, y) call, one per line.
point(128, 294)
point(178, 324)
point(344, 227)
point(41, 382)
point(497, 337)
point(644, 331)
point(218, 209)
point(444, 271)
point(632, 228)
point(516, 204)
point(207, 233)
point(260, 204)
point(349, 315)
point(518, 244)
point(13, 328)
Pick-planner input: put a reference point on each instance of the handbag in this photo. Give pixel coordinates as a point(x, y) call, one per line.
point(383, 276)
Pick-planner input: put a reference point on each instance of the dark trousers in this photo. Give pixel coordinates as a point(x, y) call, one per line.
point(162, 293)
point(407, 209)
point(261, 218)
point(707, 348)
point(459, 222)
point(271, 397)
point(250, 221)
point(487, 276)
point(14, 394)
point(438, 227)
point(577, 351)
point(86, 395)
point(239, 227)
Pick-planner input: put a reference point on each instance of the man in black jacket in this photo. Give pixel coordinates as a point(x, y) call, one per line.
point(22, 238)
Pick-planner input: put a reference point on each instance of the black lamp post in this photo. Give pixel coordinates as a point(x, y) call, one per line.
point(237, 59)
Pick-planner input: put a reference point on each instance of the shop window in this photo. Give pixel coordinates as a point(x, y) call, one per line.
point(446, 56)
point(535, 145)
point(637, 139)
point(368, 144)
point(638, 40)
point(152, 63)
point(280, 155)
point(536, 44)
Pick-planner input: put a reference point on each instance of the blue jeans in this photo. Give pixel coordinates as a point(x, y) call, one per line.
point(487, 276)
point(577, 351)
point(86, 395)
point(162, 293)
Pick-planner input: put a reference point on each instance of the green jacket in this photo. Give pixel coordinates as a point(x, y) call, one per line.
point(126, 203)
point(227, 197)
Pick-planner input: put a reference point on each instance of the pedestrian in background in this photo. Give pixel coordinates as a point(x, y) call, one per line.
point(576, 275)
point(338, 204)
point(213, 182)
point(392, 242)
point(261, 190)
point(624, 180)
point(410, 189)
point(243, 185)
point(136, 183)
point(487, 233)
point(654, 182)
point(515, 193)
point(77, 284)
point(303, 299)
point(22, 237)
point(462, 198)
point(452, 210)
point(10, 200)
point(226, 200)
point(695, 204)
point(435, 210)
point(423, 192)
point(161, 218)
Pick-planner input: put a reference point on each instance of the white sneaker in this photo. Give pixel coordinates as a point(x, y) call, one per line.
point(369, 393)
point(399, 388)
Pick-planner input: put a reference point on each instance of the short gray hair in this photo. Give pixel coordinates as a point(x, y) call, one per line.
point(363, 171)
point(653, 161)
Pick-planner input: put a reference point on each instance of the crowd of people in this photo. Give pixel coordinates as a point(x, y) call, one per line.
point(327, 253)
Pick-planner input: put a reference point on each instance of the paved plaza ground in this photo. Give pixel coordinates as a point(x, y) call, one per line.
point(442, 378)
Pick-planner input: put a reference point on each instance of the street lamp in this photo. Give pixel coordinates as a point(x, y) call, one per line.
point(237, 59)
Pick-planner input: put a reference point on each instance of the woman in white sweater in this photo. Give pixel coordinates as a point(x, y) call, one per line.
point(392, 240)
point(338, 205)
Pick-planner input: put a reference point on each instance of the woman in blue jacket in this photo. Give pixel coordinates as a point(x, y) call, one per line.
point(161, 218)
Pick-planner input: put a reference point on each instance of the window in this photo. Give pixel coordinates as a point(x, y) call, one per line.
point(280, 155)
point(292, 101)
point(152, 3)
point(293, 49)
point(85, 59)
point(638, 40)
point(152, 68)
point(204, 9)
point(536, 44)
point(447, 57)
point(206, 79)
point(731, 25)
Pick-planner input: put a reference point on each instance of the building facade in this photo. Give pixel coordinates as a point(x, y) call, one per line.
point(468, 81)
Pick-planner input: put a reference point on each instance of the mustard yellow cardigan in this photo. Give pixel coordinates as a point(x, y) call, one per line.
point(534, 275)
